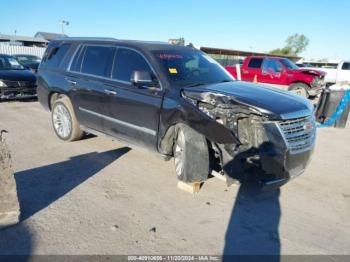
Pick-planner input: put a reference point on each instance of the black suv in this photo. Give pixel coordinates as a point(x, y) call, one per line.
point(178, 102)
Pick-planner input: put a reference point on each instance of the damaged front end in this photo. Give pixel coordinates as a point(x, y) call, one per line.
point(276, 147)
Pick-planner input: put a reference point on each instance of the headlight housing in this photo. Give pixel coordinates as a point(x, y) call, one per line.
point(2, 84)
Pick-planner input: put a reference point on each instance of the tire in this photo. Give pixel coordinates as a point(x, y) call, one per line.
point(64, 121)
point(300, 89)
point(191, 155)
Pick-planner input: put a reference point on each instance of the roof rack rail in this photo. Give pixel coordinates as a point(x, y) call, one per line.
point(87, 38)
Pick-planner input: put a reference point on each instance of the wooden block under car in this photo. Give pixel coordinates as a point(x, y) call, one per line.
point(189, 187)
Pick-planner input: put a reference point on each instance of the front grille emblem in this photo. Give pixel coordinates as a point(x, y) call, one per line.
point(308, 126)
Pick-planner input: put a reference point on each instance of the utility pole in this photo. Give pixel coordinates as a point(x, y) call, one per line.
point(63, 23)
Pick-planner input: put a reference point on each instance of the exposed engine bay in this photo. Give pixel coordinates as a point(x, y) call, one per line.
point(262, 144)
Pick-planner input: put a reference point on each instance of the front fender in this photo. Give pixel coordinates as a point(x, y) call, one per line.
point(175, 112)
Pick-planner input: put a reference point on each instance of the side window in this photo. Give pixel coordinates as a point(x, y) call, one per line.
point(272, 65)
point(55, 55)
point(78, 58)
point(98, 60)
point(128, 61)
point(346, 66)
point(255, 62)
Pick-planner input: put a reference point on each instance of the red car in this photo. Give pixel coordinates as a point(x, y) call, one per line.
point(282, 73)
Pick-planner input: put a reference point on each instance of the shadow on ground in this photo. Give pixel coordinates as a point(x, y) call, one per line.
point(253, 228)
point(254, 222)
point(39, 187)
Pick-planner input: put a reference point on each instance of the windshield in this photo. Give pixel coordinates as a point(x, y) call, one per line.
point(9, 63)
point(191, 68)
point(28, 59)
point(289, 64)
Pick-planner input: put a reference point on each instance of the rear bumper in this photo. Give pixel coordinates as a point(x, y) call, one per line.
point(17, 92)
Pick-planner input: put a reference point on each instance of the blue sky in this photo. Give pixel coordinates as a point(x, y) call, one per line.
point(259, 25)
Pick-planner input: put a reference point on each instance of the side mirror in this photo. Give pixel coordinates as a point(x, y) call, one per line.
point(141, 78)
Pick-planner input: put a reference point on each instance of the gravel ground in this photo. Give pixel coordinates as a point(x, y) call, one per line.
point(97, 196)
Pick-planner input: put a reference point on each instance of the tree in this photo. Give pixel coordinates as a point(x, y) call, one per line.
point(281, 51)
point(296, 44)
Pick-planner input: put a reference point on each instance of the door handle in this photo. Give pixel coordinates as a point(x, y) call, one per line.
point(110, 92)
point(72, 82)
point(245, 71)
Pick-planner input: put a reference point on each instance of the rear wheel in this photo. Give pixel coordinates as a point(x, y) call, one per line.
point(299, 89)
point(64, 121)
point(191, 156)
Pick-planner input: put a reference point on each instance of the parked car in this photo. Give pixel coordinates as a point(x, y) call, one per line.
point(30, 61)
point(303, 65)
point(340, 73)
point(178, 102)
point(15, 80)
point(281, 73)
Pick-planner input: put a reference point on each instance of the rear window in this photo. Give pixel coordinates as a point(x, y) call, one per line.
point(255, 62)
point(98, 60)
point(55, 55)
point(346, 66)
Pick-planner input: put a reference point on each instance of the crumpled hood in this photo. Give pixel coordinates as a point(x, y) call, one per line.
point(275, 103)
point(309, 72)
point(17, 75)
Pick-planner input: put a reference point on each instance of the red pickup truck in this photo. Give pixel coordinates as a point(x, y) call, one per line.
point(282, 73)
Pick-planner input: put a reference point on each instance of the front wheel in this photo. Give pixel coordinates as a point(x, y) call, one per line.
point(64, 121)
point(191, 155)
point(299, 89)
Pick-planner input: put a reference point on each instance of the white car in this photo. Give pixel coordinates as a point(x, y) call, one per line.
point(337, 75)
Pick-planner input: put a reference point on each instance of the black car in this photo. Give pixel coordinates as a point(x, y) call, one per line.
point(29, 61)
point(15, 80)
point(178, 102)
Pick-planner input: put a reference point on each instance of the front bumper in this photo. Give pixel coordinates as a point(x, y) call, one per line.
point(17, 92)
point(284, 155)
point(278, 169)
point(314, 91)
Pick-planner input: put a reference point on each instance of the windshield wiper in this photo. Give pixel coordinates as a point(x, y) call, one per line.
point(196, 84)
point(225, 81)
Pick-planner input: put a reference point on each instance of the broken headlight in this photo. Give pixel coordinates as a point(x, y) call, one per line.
point(2, 84)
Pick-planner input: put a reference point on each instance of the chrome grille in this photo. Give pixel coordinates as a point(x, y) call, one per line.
point(19, 83)
point(299, 133)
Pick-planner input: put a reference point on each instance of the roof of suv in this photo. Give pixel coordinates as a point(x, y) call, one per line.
point(150, 45)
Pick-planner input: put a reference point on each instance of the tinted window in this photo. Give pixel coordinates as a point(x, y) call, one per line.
point(76, 64)
point(126, 62)
point(346, 66)
point(55, 55)
point(255, 62)
point(98, 60)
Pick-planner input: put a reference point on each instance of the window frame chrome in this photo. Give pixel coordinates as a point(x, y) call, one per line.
point(84, 45)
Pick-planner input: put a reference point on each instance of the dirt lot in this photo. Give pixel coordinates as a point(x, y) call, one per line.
point(97, 196)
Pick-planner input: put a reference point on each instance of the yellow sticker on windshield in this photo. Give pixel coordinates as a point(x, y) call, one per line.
point(172, 70)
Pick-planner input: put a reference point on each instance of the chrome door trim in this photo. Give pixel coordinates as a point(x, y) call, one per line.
point(120, 122)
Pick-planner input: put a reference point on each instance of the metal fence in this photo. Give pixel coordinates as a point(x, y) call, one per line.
point(28, 50)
